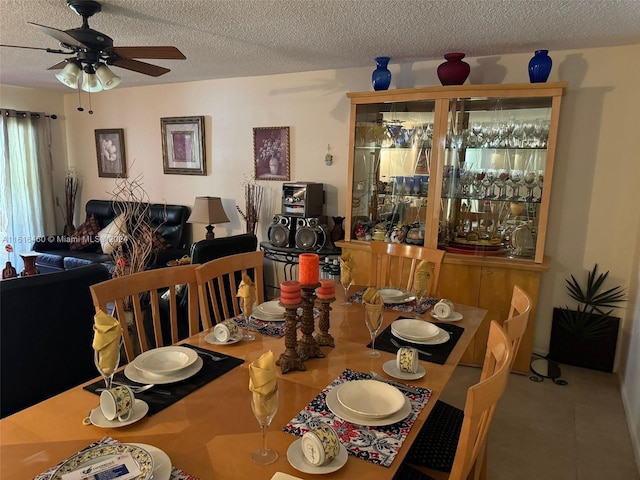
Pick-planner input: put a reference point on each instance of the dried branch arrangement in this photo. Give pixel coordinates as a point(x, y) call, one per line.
point(71, 183)
point(253, 201)
point(131, 202)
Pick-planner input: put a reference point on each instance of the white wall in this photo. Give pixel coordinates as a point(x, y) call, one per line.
point(594, 217)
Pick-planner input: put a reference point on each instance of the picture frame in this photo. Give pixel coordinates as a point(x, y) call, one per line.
point(112, 161)
point(183, 145)
point(271, 153)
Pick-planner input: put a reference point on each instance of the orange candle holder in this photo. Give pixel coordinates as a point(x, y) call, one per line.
point(324, 338)
point(307, 345)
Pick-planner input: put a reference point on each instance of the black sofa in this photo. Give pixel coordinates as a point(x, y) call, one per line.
point(170, 220)
point(46, 332)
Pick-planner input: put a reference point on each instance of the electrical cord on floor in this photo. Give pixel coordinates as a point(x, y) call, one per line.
point(546, 369)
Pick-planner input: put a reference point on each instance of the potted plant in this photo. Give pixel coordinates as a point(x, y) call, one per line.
point(586, 336)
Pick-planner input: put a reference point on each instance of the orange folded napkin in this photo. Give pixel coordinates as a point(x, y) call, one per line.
point(247, 291)
point(106, 340)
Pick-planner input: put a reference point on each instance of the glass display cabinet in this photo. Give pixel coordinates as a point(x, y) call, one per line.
point(467, 169)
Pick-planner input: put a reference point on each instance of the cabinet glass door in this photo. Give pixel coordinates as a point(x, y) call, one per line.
point(493, 176)
point(391, 170)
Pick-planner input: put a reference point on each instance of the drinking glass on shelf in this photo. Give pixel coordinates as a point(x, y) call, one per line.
point(247, 336)
point(264, 409)
point(373, 321)
point(105, 365)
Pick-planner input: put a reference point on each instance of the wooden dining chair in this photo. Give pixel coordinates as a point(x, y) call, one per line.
point(218, 282)
point(452, 442)
point(140, 293)
point(394, 265)
point(516, 324)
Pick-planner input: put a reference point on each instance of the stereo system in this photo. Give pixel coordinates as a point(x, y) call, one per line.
point(302, 233)
point(302, 199)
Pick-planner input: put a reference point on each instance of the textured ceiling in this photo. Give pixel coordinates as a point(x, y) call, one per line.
point(235, 38)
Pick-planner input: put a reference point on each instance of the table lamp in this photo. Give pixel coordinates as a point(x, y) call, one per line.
point(208, 210)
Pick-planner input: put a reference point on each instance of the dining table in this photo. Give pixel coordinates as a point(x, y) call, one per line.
point(211, 432)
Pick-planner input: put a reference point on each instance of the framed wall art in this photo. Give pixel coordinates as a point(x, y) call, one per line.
point(271, 153)
point(112, 162)
point(183, 147)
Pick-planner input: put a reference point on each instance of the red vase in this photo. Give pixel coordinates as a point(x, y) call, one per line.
point(454, 71)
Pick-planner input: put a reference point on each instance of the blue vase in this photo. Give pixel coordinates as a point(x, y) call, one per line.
point(540, 66)
point(381, 77)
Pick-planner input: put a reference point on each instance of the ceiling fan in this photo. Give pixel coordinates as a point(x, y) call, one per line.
point(93, 51)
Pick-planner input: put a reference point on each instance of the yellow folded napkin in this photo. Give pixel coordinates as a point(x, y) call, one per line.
point(263, 383)
point(346, 267)
point(247, 291)
point(421, 277)
point(372, 297)
point(106, 340)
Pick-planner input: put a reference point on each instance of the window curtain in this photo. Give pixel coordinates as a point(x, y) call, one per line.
point(27, 208)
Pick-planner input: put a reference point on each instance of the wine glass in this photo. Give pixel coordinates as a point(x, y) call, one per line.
point(105, 365)
point(419, 296)
point(373, 320)
point(264, 409)
point(248, 336)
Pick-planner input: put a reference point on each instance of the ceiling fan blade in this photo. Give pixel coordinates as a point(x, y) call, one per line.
point(140, 67)
point(58, 65)
point(50, 50)
point(62, 37)
point(169, 53)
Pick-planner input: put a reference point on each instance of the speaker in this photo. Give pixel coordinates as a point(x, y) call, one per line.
point(311, 234)
point(282, 230)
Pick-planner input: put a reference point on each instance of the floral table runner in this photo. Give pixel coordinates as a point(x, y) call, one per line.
point(176, 473)
point(411, 306)
point(378, 445)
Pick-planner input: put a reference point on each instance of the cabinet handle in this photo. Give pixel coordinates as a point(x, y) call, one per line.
point(489, 272)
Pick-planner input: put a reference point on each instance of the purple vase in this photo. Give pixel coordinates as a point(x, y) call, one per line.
point(454, 71)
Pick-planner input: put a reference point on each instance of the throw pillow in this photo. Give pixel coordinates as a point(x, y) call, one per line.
point(158, 242)
point(113, 235)
point(84, 236)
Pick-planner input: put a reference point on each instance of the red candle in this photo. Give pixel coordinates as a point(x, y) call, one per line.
point(327, 288)
point(309, 268)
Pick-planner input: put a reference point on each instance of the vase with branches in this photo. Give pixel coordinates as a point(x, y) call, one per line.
point(71, 184)
point(253, 202)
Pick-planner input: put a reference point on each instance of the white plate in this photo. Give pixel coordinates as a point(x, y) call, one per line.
point(266, 318)
point(140, 409)
point(271, 308)
point(161, 461)
point(370, 398)
point(454, 317)
point(297, 460)
point(400, 300)
point(391, 368)
point(165, 360)
point(211, 338)
point(442, 337)
point(103, 452)
point(415, 329)
point(132, 373)
point(392, 294)
point(336, 407)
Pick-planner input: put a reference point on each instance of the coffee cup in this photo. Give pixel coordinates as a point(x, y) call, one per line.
point(224, 330)
point(117, 402)
point(444, 308)
point(407, 360)
point(320, 445)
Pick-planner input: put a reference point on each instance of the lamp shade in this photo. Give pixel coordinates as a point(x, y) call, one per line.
point(70, 75)
point(107, 78)
point(208, 210)
point(90, 83)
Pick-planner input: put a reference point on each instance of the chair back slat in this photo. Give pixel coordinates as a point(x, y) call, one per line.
point(219, 280)
point(516, 324)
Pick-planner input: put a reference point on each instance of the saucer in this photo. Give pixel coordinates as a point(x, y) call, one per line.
point(454, 317)
point(140, 409)
point(297, 460)
point(390, 368)
point(161, 461)
point(214, 341)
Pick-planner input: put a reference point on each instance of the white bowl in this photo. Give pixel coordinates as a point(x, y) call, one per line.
point(370, 398)
point(415, 329)
point(165, 360)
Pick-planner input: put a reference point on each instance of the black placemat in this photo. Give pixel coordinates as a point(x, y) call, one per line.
point(439, 353)
point(210, 371)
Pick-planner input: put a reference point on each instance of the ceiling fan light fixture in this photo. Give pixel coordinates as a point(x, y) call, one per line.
point(70, 75)
point(90, 82)
point(107, 78)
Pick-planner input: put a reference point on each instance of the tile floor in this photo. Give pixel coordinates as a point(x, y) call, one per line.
point(545, 431)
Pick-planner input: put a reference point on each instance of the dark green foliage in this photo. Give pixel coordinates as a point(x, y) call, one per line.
point(590, 319)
